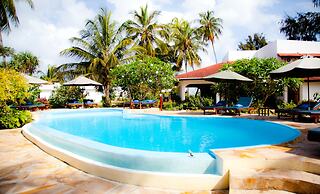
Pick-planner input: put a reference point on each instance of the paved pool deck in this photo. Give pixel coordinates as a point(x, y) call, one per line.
point(24, 168)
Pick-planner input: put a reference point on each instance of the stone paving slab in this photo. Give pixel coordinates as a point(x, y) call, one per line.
point(24, 168)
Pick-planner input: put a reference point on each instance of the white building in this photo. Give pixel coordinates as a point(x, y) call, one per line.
point(287, 50)
point(92, 93)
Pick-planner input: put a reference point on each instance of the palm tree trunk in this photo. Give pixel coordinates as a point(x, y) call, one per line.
point(1, 46)
point(107, 100)
point(214, 52)
point(1, 42)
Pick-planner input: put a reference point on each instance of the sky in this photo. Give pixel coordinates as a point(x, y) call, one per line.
point(46, 29)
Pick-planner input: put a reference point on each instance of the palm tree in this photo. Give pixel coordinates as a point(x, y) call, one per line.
point(24, 62)
point(186, 44)
point(5, 52)
point(100, 48)
point(8, 15)
point(53, 74)
point(210, 28)
point(145, 30)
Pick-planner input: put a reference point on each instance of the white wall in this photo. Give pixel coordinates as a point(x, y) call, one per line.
point(314, 87)
point(235, 55)
point(295, 46)
point(268, 51)
point(46, 91)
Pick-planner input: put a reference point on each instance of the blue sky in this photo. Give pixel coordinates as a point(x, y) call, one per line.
point(46, 30)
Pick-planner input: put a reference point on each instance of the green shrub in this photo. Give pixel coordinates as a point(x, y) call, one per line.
point(60, 96)
point(13, 91)
point(34, 92)
point(13, 88)
point(170, 105)
point(12, 118)
point(285, 105)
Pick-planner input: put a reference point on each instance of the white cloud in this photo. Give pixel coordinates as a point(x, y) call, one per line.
point(46, 30)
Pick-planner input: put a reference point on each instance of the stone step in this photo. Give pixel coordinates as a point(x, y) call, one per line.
point(274, 179)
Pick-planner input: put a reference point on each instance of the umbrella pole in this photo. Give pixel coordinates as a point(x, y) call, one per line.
point(308, 95)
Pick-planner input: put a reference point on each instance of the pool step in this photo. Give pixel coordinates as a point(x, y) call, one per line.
point(274, 180)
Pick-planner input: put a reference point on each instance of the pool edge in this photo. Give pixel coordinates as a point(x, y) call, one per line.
point(128, 176)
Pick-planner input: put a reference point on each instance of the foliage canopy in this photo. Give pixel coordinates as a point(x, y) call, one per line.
point(263, 86)
point(254, 42)
point(144, 78)
point(304, 26)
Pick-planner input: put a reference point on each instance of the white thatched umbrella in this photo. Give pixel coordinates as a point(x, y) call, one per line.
point(82, 81)
point(305, 67)
point(227, 76)
point(34, 80)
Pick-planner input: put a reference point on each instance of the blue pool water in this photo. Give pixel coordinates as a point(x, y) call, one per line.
point(167, 133)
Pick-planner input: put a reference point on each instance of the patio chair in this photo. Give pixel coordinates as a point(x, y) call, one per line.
point(148, 103)
point(215, 107)
point(242, 104)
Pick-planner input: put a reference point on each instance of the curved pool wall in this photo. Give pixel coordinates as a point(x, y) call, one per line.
point(146, 168)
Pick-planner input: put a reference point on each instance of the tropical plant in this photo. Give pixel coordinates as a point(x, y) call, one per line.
point(254, 42)
point(5, 52)
point(305, 26)
point(99, 49)
point(263, 86)
point(145, 30)
point(11, 118)
point(61, 95)
point(8, 15)
point(186, 43)
point(210, 28)
point(144, 78)
point(13, 91)
point(53, 74)
point(13, 88)
point(24, 62)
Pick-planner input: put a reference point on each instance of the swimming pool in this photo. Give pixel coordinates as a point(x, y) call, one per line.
point(152, 143)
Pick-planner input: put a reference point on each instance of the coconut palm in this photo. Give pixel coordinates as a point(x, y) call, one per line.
point(5, 52)
point(8, 15)
point(186, 44)
point(145, 30)
point(24, 62)
point(210, 28)
point(99, 48)
point(53, 74)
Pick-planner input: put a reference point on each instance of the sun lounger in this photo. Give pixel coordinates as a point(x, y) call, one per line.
point(301, 109)
point(31, 107)
point(135, 104)
point(148, 103)
point(74, 104)
point(215, 108)
point(88, 103)
point(242, 104)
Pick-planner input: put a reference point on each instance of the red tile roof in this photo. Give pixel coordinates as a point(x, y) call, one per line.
point(298, 54)
point(203, 72)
